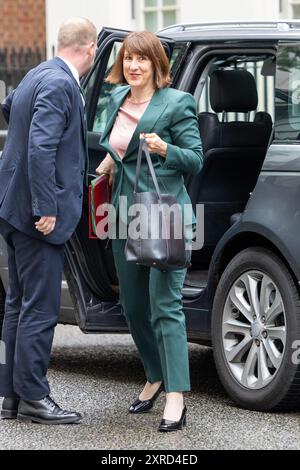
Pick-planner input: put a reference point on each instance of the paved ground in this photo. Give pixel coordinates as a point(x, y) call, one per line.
point(99, 375)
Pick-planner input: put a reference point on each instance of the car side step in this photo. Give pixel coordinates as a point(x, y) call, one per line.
point(196, 278)
point(194, 283)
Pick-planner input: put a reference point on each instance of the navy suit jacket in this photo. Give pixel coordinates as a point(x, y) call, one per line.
point(44, 158)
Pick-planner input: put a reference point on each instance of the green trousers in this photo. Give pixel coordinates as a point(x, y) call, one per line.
point(152, 303)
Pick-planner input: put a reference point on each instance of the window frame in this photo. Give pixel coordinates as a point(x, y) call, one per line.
point(289, 141)
point(159, 9)
point(202, 54)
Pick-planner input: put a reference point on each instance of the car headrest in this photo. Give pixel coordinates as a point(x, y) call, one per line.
point(233, 91)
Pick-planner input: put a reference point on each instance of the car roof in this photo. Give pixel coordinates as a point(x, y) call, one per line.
point(243, 30)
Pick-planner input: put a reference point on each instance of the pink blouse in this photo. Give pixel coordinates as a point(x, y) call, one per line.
point(125, 124)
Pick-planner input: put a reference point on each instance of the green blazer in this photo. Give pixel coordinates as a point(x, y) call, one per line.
point(171, 114)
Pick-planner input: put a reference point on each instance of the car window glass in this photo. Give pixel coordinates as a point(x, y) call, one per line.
point(178, 54)
point(105, 91)
point(287, 94)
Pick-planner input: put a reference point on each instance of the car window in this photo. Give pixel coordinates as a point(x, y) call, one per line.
point(100, 117)
point(287, 94)
point(265, 84)
point(178, 55)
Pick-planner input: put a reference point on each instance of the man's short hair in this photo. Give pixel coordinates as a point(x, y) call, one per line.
point(75, 33)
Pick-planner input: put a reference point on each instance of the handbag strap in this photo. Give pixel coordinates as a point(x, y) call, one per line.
point(143, 147)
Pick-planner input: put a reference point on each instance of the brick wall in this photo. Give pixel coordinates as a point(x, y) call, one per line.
point(22, 38)
point(23, 24)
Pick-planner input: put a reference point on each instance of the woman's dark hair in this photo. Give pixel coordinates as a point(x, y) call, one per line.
point(147, 44)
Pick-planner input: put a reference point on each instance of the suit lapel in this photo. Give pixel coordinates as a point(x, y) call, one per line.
point(117, 102)
point(148, 120)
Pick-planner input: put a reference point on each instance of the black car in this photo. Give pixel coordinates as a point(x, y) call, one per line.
point(241, 294)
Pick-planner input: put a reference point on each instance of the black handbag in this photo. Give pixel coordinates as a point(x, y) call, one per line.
point(158, 245)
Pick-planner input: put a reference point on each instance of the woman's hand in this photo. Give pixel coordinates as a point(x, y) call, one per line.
point(155, 144)
point(107, 166)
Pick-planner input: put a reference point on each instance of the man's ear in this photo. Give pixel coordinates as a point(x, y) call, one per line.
point(89, 48)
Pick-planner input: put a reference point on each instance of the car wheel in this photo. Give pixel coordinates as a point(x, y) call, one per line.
point(255, 331)
point(2, 303)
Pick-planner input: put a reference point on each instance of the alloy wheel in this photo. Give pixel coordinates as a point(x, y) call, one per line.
point(254, 329)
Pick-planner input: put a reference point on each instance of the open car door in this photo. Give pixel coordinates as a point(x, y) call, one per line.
point(90, 270)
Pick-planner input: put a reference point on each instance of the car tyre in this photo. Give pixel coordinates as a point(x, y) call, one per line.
point(248, 383)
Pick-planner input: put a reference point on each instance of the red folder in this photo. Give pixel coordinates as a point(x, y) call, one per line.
point(99, 195)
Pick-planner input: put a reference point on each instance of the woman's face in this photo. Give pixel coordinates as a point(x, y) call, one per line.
point(138, 70)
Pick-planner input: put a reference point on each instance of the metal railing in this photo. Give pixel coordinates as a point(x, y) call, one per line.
point(14, 64)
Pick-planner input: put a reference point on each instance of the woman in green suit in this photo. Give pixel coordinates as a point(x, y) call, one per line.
point(152, 299)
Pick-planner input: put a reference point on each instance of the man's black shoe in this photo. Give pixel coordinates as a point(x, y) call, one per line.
point(9, 408)
point(46, 411)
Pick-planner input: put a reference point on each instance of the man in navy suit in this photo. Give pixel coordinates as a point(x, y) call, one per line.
point(42, 171)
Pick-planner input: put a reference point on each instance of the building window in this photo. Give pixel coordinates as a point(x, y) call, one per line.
point(159, 13)
point(296, 10)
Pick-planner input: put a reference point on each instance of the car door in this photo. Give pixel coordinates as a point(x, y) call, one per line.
point(278, 184)
point(90, 268)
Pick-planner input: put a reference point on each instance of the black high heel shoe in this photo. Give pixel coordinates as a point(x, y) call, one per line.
point(143, 406)
point(167, 426)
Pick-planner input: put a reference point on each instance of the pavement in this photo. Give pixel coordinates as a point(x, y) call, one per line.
point(100, 375)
